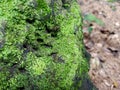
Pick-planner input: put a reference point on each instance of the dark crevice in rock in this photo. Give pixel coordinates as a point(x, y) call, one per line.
point(37, 34)
point(13, 69)
point(25, 45)
point(87, 85)
point(22, 69)
point(47, 45)
point(66, 4)
point(53, 30)
point(57, 58)
point(31, 21)
point(54, 34)
point(33, 4)
point(35, 48)
point(21, 88)
point(40, 40)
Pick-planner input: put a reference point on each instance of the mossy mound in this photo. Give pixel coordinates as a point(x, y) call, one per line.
point(41, 45)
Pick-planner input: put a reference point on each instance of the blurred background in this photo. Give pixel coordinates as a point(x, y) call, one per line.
point(102, 40)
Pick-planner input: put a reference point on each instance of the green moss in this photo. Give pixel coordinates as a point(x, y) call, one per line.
point(35, 65)
point(43, 45)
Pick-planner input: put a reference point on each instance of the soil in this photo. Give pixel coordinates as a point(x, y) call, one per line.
point(103, 43)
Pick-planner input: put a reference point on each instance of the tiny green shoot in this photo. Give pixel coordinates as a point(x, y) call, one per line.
point(93, 18)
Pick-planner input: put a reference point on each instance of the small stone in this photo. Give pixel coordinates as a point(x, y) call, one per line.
point(117, 24)
point(106, 83)
point(99, 45)
point(94, 54)
point(102, 73)
point(95, 63)
point(114, 40)
point(100, 13)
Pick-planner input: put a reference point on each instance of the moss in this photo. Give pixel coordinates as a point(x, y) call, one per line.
point(43, 45)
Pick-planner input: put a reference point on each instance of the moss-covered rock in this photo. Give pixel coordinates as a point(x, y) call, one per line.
point(41, 45)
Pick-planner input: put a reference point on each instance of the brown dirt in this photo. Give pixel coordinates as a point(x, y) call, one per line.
point(103, 43)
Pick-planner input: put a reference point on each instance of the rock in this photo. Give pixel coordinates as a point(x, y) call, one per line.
point(43, 47)
point(95, 63)
point(114, 40)
point(106, 83)
point(102, 73)
point(99, 45)
point(117, 24)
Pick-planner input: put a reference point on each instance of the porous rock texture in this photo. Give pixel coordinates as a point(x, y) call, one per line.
point(41, 45)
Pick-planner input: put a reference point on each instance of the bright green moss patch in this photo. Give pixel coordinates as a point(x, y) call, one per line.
point(35, 65)
point(41, 45)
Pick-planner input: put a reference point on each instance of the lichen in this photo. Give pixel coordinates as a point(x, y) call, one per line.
point(43, 45)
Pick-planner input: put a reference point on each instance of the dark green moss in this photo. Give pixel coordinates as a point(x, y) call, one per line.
point(43, 45)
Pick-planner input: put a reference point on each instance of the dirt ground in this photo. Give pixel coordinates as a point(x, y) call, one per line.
point(103, 43)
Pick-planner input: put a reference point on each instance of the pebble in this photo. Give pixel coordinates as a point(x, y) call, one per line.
point(117, 24)
point(95, 63)
point(100, 13)
point(114, 40)
point(106, 83)
point(99, 45)
point(102, 73)
point(94, 54)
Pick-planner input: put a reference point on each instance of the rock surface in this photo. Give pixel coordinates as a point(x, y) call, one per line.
point(41, 45)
